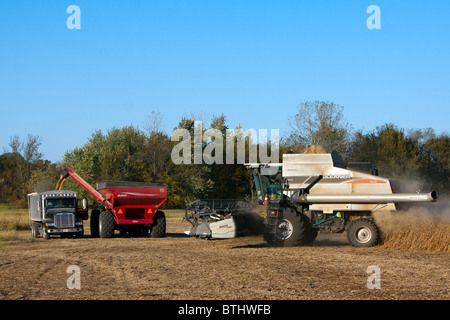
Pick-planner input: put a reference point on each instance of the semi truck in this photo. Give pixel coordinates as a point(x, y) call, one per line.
point(308, 193)
point(56, 213)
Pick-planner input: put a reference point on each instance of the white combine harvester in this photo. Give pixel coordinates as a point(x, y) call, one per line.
point(308, 193)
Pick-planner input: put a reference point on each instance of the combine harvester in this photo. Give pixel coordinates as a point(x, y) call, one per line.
point(308, 193)
point(127, 206)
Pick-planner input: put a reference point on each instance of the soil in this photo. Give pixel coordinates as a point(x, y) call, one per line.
point(182, 267)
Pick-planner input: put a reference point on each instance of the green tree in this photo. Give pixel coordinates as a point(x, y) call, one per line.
point(436, 163)
point(44, 176)
point(114, 156)
point(394, 153)
point(10, 188)
point(190, 181)
point(16, 167)
point(321, 124)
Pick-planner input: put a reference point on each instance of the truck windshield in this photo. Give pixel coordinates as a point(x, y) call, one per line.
point(60, 203)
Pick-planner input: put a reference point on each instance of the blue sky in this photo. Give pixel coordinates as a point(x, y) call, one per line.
point(254, 61)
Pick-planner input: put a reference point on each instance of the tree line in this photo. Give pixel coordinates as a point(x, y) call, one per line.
point(417, 157)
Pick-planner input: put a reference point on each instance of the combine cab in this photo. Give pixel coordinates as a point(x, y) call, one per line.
point(308, 193)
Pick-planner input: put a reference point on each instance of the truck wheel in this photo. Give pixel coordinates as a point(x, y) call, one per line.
point(292, 229)
point(363, 233)
point(94, 221)
point(45, 234)
point(79, 234)
point(106, 224)
point(35, 230)
point(158, 228)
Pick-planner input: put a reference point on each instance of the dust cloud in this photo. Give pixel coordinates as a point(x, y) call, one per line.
point(422, 227)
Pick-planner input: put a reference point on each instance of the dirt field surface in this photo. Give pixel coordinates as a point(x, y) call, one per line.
point(181, 267)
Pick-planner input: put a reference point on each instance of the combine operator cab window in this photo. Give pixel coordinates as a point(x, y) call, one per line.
point(268, 182)
point(60, 203)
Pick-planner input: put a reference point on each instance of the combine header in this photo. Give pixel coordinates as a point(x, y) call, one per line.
point(127, 206)
point(308, 193)
point(222, 219)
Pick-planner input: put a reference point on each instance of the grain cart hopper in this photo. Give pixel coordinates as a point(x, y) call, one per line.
point(222, 219)
point(127, 206)
point(307, 193)
point(56, 213)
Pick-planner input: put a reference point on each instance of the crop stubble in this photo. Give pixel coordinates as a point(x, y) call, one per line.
point(181, 267)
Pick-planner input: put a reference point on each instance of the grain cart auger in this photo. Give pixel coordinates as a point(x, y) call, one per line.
point(308, 193)
point(127, 206)
point(222, 219)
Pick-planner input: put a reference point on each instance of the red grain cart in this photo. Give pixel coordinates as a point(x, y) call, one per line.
point(127, 206)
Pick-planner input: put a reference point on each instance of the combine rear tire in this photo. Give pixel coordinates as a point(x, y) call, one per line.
point(363, 233)
point(106, 224)
point(158, 228)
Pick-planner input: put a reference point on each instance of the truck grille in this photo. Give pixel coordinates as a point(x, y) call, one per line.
point(64, 220)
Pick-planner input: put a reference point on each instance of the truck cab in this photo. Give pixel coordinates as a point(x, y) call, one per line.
point(56, 213)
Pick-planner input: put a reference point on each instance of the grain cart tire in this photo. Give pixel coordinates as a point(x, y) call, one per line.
point(158, 228)
point(363, 233)
point(292, 229)
point(106, 224)
point(94, 220)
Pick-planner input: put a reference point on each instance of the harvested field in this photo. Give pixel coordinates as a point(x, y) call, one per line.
point(180, 267)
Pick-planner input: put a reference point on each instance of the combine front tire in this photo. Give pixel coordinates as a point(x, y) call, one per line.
point(363, 233)
point(292, 229)
point(106, 224)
